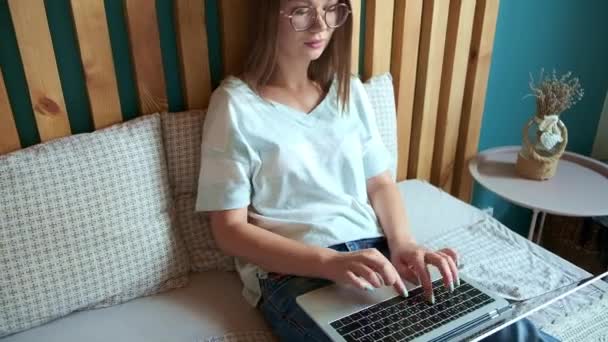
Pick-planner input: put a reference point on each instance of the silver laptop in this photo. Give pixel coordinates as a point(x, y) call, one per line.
point(470, 312)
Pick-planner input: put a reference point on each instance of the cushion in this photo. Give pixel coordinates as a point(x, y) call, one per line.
point(210, 305)
point(86, 222)
point(381, 95)
point(182, 139)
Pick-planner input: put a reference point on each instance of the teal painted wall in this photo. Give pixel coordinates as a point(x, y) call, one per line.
point(565, 35)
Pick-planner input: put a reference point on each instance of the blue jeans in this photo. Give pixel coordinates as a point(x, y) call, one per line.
point(290, 323)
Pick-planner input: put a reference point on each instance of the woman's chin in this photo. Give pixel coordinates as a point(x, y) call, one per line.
point(314, 55)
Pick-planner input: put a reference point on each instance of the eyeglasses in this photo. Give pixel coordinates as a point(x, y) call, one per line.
point(303, 18)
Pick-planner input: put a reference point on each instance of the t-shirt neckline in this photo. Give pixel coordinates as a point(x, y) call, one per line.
point(301, 116)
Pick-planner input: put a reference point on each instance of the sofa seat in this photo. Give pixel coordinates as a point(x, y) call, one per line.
point(212, 304)
point(188, 314)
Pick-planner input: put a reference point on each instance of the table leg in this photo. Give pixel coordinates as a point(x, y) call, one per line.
point(540, 229)
point(533, 224)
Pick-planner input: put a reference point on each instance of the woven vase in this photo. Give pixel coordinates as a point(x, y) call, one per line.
point(530, 163)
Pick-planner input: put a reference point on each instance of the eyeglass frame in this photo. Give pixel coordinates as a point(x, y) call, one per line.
point(316, 16)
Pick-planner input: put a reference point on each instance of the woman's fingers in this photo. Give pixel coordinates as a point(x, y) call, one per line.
point(424, 276)
point(407, 273)
point(452, 254)
point(385, 269)
point(441, 262)
point(454, 261)
point(368, 274)
point(453, 267)
point(358, 282)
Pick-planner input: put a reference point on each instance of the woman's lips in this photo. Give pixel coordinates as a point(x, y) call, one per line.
point(314, 44)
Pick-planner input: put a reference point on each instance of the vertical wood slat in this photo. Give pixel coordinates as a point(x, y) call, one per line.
point(39, 63)
point(9, 138)
point(356, 7)
point(147, 59)
point(97, 62)
point(484, 29)
point(194, 54)
point(458, 42)
point(428, 83)
point(378, 36)
point(236, 23)
point(404, 62)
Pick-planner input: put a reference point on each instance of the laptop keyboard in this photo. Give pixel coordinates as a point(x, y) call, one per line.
point(403, 319)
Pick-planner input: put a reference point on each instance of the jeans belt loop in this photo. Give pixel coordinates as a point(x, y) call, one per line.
point(352, 246)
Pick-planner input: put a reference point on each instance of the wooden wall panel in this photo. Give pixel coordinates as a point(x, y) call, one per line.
point(356, 6)
point(428, 83)
point(39, 63)
point(236, 24)
point(378, 36)
point(458, 42)
point(438, 51)
point(404, 62)
point(194, 54)
point(96, 54)
point(145, 48)
point(484, 29)
point(9, 138)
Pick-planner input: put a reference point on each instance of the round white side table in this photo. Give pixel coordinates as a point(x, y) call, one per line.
point(579, 187)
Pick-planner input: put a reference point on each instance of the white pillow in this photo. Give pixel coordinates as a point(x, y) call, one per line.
point(182, 141)
point(382, 96)
point(86, 222)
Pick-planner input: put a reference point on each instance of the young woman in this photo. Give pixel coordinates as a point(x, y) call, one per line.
point(296, 176)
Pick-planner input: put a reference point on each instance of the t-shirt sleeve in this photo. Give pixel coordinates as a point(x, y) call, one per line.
point(376, 158)
point(224, 178)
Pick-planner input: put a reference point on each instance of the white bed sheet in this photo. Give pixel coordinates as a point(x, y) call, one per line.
point(491, 254)
point(502, 260)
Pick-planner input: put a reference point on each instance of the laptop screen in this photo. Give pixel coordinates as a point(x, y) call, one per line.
point(551, 304)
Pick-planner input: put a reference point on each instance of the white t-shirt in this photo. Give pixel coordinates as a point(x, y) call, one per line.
point(302, 176)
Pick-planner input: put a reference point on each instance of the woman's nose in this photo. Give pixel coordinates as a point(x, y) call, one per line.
point(319, 24)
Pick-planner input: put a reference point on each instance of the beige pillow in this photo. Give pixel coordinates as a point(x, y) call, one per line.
point(182, 137)
point(86, 222)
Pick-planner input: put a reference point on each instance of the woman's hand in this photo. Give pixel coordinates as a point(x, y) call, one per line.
point(411, 259)
point(365, 269)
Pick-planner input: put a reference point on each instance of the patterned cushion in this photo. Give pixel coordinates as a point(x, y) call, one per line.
point(381, 95)
point(182, 137)
point(86, 222)
point(182, 140)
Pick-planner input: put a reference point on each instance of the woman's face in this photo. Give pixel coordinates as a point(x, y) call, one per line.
point(307, 44)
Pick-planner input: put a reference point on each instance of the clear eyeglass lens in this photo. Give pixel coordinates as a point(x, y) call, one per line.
point(336, 15)
point(302, 18)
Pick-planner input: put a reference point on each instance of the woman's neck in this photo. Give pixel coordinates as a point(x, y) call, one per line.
point(291, 74)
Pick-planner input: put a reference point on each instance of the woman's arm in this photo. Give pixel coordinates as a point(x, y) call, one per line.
point(389, 207)
point(275, 253)
point(272, 252)
point(409, 258)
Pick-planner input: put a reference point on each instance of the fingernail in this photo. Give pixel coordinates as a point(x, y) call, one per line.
point(457, 281)
point(451, 286)
point(432, 300)
point(369, 288)
point(404, 292)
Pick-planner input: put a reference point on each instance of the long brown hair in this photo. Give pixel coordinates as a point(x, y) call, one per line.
point(334, 62)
